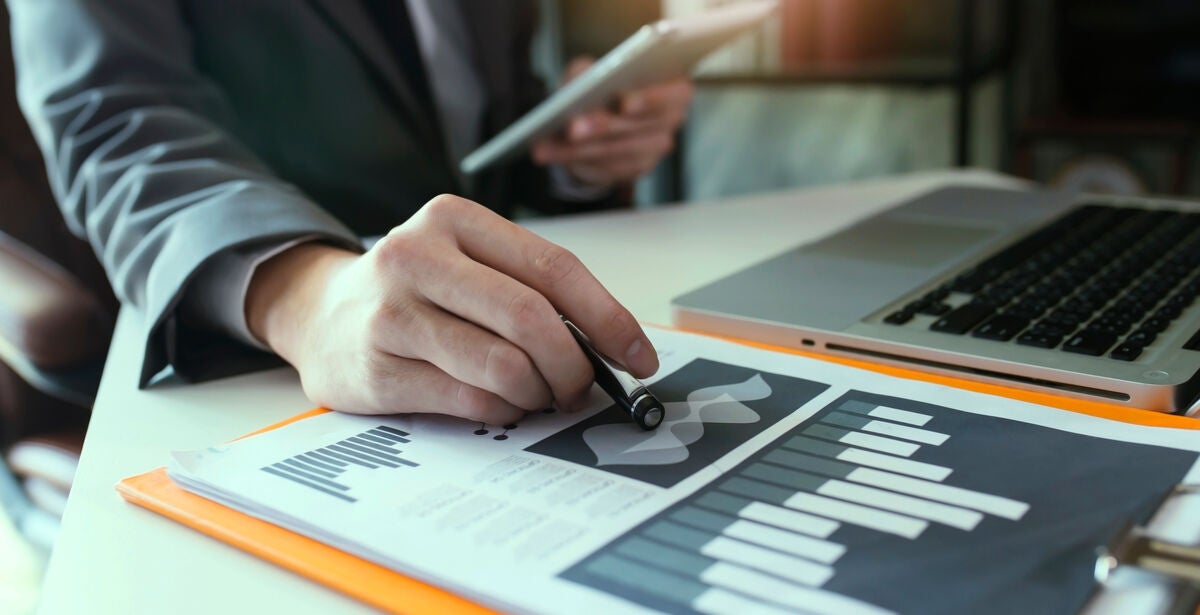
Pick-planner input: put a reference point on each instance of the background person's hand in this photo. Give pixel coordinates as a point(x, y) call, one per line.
point(616, 145)
point(456, 311)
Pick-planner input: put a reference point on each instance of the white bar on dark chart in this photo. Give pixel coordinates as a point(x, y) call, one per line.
point(794, 597)
point(719, 602)
point(918, 469)
point(953, 516)
point(792, 520)
point(791, 568)
point(924, 436)
point(985, 502)
point(877, 443)
point(864, 516)
point(900, 416)
point(782, 540)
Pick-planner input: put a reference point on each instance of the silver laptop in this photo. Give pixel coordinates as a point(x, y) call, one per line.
point(1089, 297)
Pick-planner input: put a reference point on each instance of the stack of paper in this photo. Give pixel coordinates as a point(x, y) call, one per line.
point(775, 484)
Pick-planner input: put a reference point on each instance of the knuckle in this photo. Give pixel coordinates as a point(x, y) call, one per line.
point(554, 264)
point(405, 317)
point(472, 403)
point(399, 246)
point(620, 325)
point(527, 311)
point(506, 366)
point(379, 372)
point(443, 205)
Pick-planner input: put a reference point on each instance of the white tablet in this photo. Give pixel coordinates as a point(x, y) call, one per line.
point(657, 52)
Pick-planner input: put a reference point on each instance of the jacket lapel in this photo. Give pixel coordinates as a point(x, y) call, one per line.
point(353, 23)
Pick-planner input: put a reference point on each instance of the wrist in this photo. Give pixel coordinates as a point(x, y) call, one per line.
point(286, 289)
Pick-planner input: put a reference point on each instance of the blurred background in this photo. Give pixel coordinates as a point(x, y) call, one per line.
point(1098, 95)
point(1101, 95)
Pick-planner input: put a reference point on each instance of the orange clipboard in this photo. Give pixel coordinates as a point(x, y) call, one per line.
point(393, 592)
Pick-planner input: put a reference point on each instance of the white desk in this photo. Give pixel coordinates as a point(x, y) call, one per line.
point(113, 557)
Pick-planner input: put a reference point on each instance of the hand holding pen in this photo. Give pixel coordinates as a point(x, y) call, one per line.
point(628, 392)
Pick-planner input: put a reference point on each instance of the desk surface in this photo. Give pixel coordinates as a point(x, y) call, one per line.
point(113, 557)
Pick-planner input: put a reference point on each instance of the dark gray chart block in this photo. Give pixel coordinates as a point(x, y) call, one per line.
point(696, 433)
point(1079, 489)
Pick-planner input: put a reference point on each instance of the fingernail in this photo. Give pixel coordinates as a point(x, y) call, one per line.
point(641, 361)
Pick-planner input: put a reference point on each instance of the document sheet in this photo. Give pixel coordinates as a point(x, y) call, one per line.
point(775, 484)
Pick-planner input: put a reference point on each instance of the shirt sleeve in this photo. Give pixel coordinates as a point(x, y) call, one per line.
point(565, 187)
point(216, 298)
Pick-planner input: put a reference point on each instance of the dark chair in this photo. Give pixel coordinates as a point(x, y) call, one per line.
point(56, 318)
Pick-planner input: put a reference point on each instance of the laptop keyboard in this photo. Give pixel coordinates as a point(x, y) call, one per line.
point(1101, 280)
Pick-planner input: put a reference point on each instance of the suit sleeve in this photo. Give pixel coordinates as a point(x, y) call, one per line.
point(140, 155)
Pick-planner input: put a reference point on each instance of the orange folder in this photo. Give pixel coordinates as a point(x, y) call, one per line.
point(391, 591)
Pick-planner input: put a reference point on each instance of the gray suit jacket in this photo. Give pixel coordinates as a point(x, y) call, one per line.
point(176, 129)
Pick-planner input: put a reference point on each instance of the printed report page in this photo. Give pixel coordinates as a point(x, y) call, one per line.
point(776, 483)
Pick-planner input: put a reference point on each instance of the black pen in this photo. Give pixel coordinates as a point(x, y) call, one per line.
point(629, 393)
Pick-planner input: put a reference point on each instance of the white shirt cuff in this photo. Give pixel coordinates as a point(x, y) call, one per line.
point(216, 297)
point(564, 186)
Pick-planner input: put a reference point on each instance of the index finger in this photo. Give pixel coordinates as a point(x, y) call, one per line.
point(559, 276)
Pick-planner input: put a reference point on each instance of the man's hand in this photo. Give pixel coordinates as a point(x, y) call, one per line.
point(605, 147)
point(456, 311)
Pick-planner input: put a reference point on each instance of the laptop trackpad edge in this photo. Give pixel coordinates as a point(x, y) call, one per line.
point(835, 283)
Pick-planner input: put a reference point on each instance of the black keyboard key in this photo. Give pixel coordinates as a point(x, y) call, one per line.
point(1181, 300)
point(1029, 338)
point(1155, 324)
point(1126, 352)
point(898, 318)
point(934, 309)
point(1168, 312)
point(1046, 328)
point(963, 318)
point(937, 294)
point(1001, 328)
point(1110, 327)
point(1141, 337)
point(1089, 342)
point(1194, 342)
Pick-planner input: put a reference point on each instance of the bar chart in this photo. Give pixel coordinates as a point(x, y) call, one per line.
point(319, 469)
point(879, 504)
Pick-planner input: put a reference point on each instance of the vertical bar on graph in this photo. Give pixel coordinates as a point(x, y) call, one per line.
point(373, 446)
point(370, 437)
point(313, 460)
point(366, 453)
point(348, 458)
point(392, 430)
point(309, 477)
point(300, 481)
point(325, 457)
point(308, 467)
point(352, 454)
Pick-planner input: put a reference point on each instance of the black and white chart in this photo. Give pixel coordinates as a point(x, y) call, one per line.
point(891, 505)
point(711, 408)
point(320, 468)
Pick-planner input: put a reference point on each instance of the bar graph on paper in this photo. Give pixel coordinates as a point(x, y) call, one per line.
point(320, 468)
point(819, 520)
